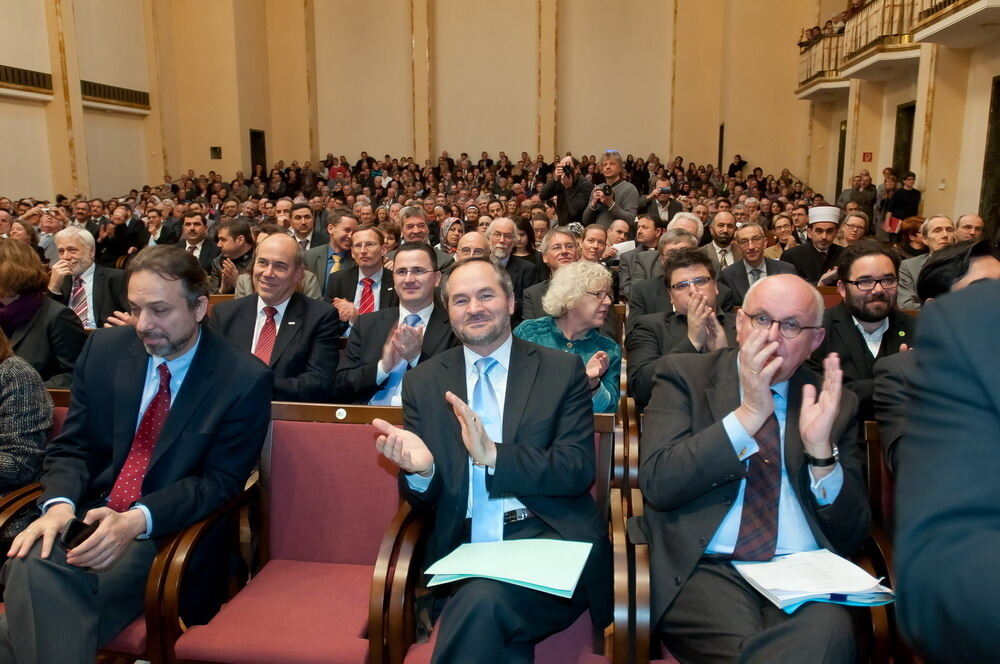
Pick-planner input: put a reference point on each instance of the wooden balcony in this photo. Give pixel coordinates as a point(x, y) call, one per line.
point(878, 40)
point(957, 23)
point(819, 70)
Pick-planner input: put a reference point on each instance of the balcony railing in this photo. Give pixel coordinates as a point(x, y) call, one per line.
point(822, 59)
point(927, 8)
point(878, 23)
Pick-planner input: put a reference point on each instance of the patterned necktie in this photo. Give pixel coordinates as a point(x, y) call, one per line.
point(723, 258)
point(78, 301)
point(367, 304)
point(337, 260)
point(304, 244)
point(387, 394)
point(755, 275)
point(487, 513)
point(758, 535)
point(191, 248)
point(268, 333)
point(128, 486)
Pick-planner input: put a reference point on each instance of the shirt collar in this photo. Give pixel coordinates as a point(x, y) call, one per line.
point(425, 313)
point(280, 307)
point(501, 355)
point(376, 278)
point(780, 389)
point(879, 331)
point(88, 274)
point(179, 365)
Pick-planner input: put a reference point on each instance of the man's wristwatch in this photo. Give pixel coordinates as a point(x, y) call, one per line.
point(823, 463)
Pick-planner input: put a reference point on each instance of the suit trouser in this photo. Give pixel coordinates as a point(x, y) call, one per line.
point(490, 621)
point(57, 613)
point(719, 617)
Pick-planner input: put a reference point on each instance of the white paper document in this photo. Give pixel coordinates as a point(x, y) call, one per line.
point(546, 565)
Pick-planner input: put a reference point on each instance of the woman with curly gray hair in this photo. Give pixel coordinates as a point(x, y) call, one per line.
point(577, 303)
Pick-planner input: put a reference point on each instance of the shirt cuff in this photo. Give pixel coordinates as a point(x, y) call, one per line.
point(381, 375)
point(418, 482)
point(149, 520)
point(827, 488)
point(743, 443)
point(52, 501)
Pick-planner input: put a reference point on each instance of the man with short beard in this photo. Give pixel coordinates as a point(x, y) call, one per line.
point(866, 326)
point(721, 250)
point(500, 234)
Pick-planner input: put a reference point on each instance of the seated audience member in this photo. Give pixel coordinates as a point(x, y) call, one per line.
point(500, 236)
point(593, 243)
point(293, 334)
point(413, 227)
point(236, 245)
point(721, 250)
point(526, 426)
point(630, 269)
point(390, 230)
point(160, 230)
point(969, 227)
point(694, 325)
point(472, 245)
point(950, 269)
point(43, 332)
point(947, 495)
point(784, 236)
point(451, 232)
point(25, 420)
point(617, 198)
point(322, 261)
point(201, 404)
point(816, 261)
point(304, 229)
point(570, 189)
point(652, 295)
point(24, 232)
point(559, 248)
point(194, 239)
point(910, 242)
point(309, 286)
point(577, 303)
point(524, 245)
point(93, 292)
point(866, 325)
point(753, 267)
point(747, 455)
point(619, 234)
point(366, 286)
point(937, 232)
point(854, 228)
point(48, 221)
point(659, 203)
point(385, 344)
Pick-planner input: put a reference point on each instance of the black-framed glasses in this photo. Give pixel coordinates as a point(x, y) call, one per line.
point(684, 285)
point(789, 329)
point(601, 294)
point(869, 284)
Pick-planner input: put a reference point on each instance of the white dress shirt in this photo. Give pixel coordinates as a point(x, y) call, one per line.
point(873, 339)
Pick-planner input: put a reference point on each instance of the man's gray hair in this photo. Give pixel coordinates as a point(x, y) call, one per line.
point(491, 228)
point(412, 211)
point(73, 232)
point(926, 226)
point(676, 235)
point(555, 230)
point(690, 216)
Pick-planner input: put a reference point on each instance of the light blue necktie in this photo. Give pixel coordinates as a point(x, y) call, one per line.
point(384, 396)
point(487, 514)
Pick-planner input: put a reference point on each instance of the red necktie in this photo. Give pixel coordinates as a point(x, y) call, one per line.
point(759, 522)
point(78, 300)
point(268, 333)
point(367, 296)
point(128, 485)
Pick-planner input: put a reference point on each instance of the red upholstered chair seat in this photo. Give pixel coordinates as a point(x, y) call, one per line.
point(291, 612)
point(131, 640)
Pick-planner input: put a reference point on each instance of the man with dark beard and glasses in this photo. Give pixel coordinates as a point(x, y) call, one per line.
point(866, 326)
point(165, 422)
point(506, 452)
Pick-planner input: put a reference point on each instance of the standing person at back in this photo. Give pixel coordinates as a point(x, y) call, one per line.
point(616, 198)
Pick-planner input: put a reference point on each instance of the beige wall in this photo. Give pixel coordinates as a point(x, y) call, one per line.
point(252, 73)
point(25, 39)
point(24, 133)
point(111, 43)
point(697, 105)
point(116, 145)
point(984, 65)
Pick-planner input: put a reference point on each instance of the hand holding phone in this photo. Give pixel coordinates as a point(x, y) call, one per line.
point(75, 533)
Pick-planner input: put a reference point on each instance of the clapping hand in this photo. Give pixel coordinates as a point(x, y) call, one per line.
point(818, 413)
point(404, 448)
point(477, 442)
point(596, 367)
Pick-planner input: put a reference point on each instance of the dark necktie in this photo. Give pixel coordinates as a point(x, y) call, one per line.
point(128, 486)
point(759, 522)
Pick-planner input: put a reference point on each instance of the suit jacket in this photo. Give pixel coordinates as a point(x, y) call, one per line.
point(856, 361)
point(656, 335)
point(344, 284)
point(305, 351)
point(523, 274)
point(209, 443)
point(355, 380)
point(734, 254)
point(809, 263)
point(533, 308)
point(109, 292)
point(632, 270)
point(546, 460)
point(50, 342)
point(891, 395)
point(735, 276)
point(315, 262)
point(650, 296)
point(946, 493)
point(690, 475)
point(651, 207)
point(909, 271)
point(209, 250)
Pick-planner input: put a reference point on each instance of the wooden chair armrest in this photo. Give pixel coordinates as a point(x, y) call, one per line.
point(632, 447)
point(620, 641)
point(17, 500)
point(639, 549)
point(878, 626)
point(619, 470)
point(395, 555)
point(176, 561)
point(400, 618)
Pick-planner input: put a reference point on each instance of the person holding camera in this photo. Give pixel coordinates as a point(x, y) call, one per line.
point(570, 189)
point(617, 198)
point(659, 203)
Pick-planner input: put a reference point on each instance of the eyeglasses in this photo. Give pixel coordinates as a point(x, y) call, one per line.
point(684, 285)
point(856, 227)
point(869, 284)
point(601, 295)
point(743, 241)
point(789, 329)
point(415, 271)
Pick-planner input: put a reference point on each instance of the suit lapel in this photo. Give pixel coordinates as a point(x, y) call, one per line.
point(291, 323)
point(435, 332)
point(520, 379)
point(742, 281)
point(244, 321)
point(723, 396)
point(453, 379)
point(858, 351)
point(130, 378)
point(98, 289)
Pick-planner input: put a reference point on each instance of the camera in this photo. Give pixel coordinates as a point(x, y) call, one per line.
point(606, 190)
point(664, 190)
point(568, 170)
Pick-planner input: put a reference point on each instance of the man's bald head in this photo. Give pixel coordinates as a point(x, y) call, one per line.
point(472, 245)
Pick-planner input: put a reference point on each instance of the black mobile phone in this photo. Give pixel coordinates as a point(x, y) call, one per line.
point(75, 532)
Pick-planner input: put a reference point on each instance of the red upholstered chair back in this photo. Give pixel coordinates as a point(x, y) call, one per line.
point(58, 418)
point(328, 493)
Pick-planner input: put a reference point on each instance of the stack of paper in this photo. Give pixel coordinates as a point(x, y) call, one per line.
point(549, 566)
point(814, 576)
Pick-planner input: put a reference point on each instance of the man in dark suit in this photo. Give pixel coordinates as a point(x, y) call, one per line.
point(523, 274)
point(93, 292)
point(384, 345)
point(947, 495)
point(693, 326)
point(524, 456)
point(293, 334)
point(195, 240)
point(659, 203)
point(746, 457)
point(81, 218)
point(816, 260)
point(163, 428)
point(235, 257)
point(750, 238)
point(304, 228)
point(367, 286)
point(559, 247)
point(335, 256)
point(647, 240)
point(866, 325)
point(159, 230)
